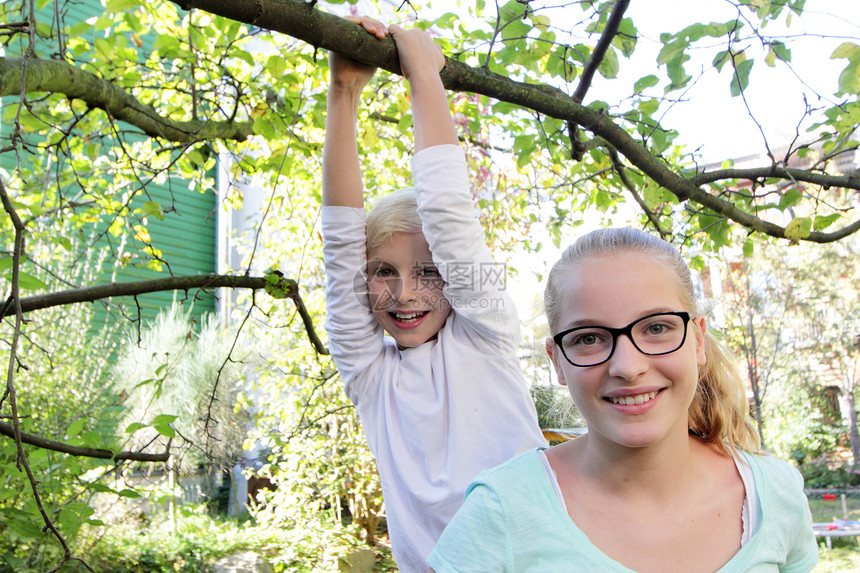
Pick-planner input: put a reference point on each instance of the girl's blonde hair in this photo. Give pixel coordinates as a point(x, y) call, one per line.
point(719, 413)
point(396, 212)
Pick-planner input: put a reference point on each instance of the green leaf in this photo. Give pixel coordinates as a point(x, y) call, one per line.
point(781, 50)
point(100, 487)
point(821, 222)
point(770, 59)
point(134, 426)
point(798, 228)
point(541, 21)
point(609, 66)
point(165, 430)
point(849, 79)
point(645, 83)
point(741, 77)
point(790, 198)
point(164, 419)
point(129, 493)
point(720, 60)
point(27, 281)
point(516, 29)
point(649, 106)
point(121, 5)
point(276, 65)
point(25, 529)
point(263, 128)
point(845, 50)
point(672, 51)
point(75, 427)
point(626, 38)
point(654, 195)
point(749, 247)
point(153, 208)
point(697, 263)
point(104, 48)
point(277, 286)
point(511, 11)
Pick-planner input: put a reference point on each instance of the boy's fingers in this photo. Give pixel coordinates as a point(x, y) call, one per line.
point(372, 26)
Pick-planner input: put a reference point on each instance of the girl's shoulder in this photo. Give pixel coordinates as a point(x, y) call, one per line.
point(776, 478)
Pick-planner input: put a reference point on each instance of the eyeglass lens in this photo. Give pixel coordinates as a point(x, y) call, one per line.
point(658, 334)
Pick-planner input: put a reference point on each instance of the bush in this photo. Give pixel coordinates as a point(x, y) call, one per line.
point(820, 476)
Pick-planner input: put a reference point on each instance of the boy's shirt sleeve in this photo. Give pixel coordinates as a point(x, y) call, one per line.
point(355, 337)
point(475, 282)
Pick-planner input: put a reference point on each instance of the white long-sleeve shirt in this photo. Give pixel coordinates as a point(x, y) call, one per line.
point(437, 414)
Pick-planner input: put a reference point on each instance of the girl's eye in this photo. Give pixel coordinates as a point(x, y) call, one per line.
point(383, 273)
point(430, 272)
point(661, 329)
point(656, 328)
point(586, 339)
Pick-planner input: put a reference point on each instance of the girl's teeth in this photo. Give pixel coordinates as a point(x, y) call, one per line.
point(633, 400)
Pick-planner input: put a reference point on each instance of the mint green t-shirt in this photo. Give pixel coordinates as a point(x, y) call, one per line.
point(513, 522)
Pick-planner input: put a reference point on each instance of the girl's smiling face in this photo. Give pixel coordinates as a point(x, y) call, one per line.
point(633, 400)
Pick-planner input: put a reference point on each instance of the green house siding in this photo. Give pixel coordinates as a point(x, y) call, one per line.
point(187, 240)
point(186, 236)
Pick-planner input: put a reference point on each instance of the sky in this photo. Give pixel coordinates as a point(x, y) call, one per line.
point(775, 95)
point(710, 120)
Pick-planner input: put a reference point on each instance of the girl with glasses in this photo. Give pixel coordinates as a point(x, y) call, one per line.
point(669, 476)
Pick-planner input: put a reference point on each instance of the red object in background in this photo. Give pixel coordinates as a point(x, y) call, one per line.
point(828, 497)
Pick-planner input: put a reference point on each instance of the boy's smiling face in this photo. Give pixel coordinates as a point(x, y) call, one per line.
point(405, 289)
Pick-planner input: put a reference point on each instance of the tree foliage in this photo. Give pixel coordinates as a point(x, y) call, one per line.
point(557, 109)
point(791, 316)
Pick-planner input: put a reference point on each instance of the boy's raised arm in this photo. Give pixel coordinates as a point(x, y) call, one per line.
point(341, 172)
point(421, 60)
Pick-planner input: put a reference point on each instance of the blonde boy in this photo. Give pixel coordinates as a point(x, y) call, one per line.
point(443, 397)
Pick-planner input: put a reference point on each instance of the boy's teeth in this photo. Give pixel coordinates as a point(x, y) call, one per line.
point(633, 400)
point(410, 316)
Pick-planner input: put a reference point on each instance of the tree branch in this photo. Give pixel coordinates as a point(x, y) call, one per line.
point(625, 180)
point(303, 21)
point(851, 181)
point(57, 76)
point(286, 288)
point(8, 430)
point(609, 32)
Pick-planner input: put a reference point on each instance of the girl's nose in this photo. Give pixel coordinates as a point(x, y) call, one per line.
point(626, 361)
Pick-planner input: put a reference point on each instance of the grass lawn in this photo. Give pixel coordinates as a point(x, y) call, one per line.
point(845, 555)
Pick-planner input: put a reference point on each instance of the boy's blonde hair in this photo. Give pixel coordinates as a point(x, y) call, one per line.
point(396, 212)
point(719, 413)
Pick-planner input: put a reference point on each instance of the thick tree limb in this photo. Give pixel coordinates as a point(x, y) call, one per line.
point(7, 430)
point(303, 21)
point(55, 76)
point(287, 288)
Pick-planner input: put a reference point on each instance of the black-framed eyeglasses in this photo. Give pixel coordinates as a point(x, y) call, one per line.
point(653, 335)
